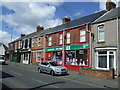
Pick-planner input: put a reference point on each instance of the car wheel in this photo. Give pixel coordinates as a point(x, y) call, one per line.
point(52, 73)
point(39, 70)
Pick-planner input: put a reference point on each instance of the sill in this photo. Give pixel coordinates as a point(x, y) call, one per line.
point(49, 46)
point(60, 44)
point(101, 42)
point(67, 43)
point(83, 42)
point(104, 69)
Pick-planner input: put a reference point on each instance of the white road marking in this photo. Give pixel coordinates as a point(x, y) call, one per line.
point(16, 73)
point(45, 83)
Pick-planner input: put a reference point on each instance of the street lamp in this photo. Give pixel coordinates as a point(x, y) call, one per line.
point(11, 31)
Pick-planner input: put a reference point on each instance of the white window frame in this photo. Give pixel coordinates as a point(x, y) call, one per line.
point(32, 42)
point(37, 56)
point(108, 54)
point(61, 38)
point(50, 41)
point(83, 35)
point(68, 38)
point(99, 33)
point(39, 41)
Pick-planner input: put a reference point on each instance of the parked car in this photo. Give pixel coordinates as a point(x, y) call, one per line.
point(52, 67)
point(2, 60)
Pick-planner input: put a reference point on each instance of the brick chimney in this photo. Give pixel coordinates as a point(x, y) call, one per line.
point(66, 19)
point(22, 35)
point(39, 28)
point(110, 5)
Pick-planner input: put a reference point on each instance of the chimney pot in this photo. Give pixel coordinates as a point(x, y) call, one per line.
point(39, 28)
point(110, 5)
point(66, 19)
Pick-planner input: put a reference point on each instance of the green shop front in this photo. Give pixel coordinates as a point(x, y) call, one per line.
point(15, 55)
point(71, 56)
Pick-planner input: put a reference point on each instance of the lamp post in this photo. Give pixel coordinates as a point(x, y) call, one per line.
point(11, 31)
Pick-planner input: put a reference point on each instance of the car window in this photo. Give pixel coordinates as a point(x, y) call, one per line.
point(2, 58)
point(54, 64)
point(44, 63)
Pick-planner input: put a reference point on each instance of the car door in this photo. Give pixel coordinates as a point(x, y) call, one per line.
point(42, 66)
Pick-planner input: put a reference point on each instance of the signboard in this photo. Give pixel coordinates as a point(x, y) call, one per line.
point(68, 47)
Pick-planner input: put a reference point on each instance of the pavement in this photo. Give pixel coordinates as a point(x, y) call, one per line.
point(74, 75)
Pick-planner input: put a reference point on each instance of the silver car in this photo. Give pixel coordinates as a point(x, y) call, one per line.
point(52, 67)
point(2, 60)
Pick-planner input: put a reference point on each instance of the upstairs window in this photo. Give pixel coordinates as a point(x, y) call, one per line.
point(101, 33)
point(33, 42)
point(39, 41)
point(50, 41)
point(61, 39)
point(68, 37)
point(83, 35)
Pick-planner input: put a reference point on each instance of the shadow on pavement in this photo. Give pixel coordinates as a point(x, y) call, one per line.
point(45, 85)
point(5, 87)
point(6, 75)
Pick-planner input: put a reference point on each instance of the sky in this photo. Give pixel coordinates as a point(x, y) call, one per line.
point(22, 17)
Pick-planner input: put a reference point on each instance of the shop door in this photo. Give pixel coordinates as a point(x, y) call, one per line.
point(48, 56)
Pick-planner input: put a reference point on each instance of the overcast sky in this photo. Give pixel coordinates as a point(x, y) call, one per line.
point(23, 17)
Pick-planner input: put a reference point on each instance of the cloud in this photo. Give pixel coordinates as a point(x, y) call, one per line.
point(29, 15)
point(5, 37)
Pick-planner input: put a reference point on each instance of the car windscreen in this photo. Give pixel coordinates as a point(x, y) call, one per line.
point(2, 58)
point(54, 64)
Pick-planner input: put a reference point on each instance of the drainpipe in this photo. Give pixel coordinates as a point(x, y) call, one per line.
point(118, 57)
point(90, 42)
point(63, 48)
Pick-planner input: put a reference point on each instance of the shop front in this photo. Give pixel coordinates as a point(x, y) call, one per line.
point(25, 56)
point(15, 55)
point(71, 56)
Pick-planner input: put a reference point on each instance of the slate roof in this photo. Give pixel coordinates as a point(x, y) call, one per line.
point(114, 13)
point(75, 23)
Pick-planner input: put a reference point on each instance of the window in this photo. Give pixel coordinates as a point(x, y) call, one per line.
point(28, 43)
point(83, 35)
point(33, 42)
point(39, 41)
point(38, 57)
point(105, 59)
point(60, 39)
point(101, 33)
point(68, 37)
point(50, 41)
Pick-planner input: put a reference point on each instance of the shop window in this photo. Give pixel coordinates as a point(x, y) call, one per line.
point(76, 57)
point(105, 59)
point(38, 56)
point(50, 41)
point(83, 35)
point(81, 57)
point(61, 39)
point(68, 37)
point(39, 41)
point(101, 33)
point(57, 56)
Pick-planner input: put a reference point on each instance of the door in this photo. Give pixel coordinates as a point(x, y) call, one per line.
point(48, 56)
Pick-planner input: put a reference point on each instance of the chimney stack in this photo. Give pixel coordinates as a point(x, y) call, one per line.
point(110, 5)
point(39, 28)
point(66, 19)
point(22, 35)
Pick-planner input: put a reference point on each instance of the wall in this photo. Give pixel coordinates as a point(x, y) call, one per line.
point(107, 74)
point(2, 50)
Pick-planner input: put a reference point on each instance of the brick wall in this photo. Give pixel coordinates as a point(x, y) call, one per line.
point(107, 74)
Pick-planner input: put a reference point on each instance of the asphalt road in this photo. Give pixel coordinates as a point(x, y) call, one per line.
point(17, 76)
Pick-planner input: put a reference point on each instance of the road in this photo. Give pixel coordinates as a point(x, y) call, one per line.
point(17, 76)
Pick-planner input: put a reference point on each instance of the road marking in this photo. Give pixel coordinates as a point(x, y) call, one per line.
point(45, 83)
point(16, 73)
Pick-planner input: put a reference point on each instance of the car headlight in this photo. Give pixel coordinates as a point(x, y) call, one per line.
point(56, 69)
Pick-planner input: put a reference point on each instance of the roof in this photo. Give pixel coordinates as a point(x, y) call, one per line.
point(31, 35)
point(112, 14)
point(75, 23)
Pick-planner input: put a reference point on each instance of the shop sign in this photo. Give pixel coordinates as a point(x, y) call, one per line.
point(72, 47)
point(54, 49)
